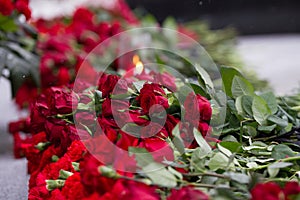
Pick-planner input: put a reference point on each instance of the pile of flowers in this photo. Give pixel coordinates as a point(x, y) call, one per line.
point(145, 133)
point(131, 138)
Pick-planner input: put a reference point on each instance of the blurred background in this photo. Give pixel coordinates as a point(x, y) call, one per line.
point(248, 17)
point(268, 32)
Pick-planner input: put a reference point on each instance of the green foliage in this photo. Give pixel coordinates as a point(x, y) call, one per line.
point(17, 54)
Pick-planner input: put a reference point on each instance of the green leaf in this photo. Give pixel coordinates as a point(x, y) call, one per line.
point(177, 140)
point(260, 110)
point(170, 23)
point(159, 175)
point(227, 74)
point(203, 145)
point(250, 130)
point(270, 98)
point(204, 76)
point(267, 129)
point(224, 150)
point(239, 106)
point(273, 172)
point(282, 151)
point(7, 24)
point(277, 120)
point(241, 86)
point(232, 146)
point(199, 90)
point(247, 104)
point(138, 85)
point(142, 156)
point(280, 165)
point(132, 129)
point(218, 161)
point(238, 177)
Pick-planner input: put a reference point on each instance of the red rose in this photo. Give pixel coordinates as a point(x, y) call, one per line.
point(203, 128)
point(266, 191)
point(22, 125)
point(57, 44)
point(63, 76)
point(91, 178)
point(187, 193)
point(39, 112)
point(126, 140)
point(136, 117)
point(83, 15)
point(153, 129)
point(150, 95)
point(124, 164)
point(60, 133)
point(73, 189)
point(171, 122)
point(107, 84)
point(159, 149)
point(197, 108)
point(291, 188)
point(101, 148)
point(115, 108)
point(131, 190)
point(26, 94)
point(166, 80)
point(22, 7)
point(86, 119)
point(6, 7)
point(60, 100)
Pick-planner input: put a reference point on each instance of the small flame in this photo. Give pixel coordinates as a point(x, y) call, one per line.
point(139, 67)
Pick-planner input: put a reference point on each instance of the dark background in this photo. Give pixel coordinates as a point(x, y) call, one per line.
point(248, 16)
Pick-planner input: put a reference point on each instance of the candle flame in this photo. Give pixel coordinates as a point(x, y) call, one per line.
point(139, 67)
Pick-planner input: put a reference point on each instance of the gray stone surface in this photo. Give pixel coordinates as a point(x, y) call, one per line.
point(275, 58)
point(13, 173)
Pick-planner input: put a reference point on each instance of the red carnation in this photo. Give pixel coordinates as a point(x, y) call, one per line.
point(91, 177)
point(76, 151)
point(73, 189)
